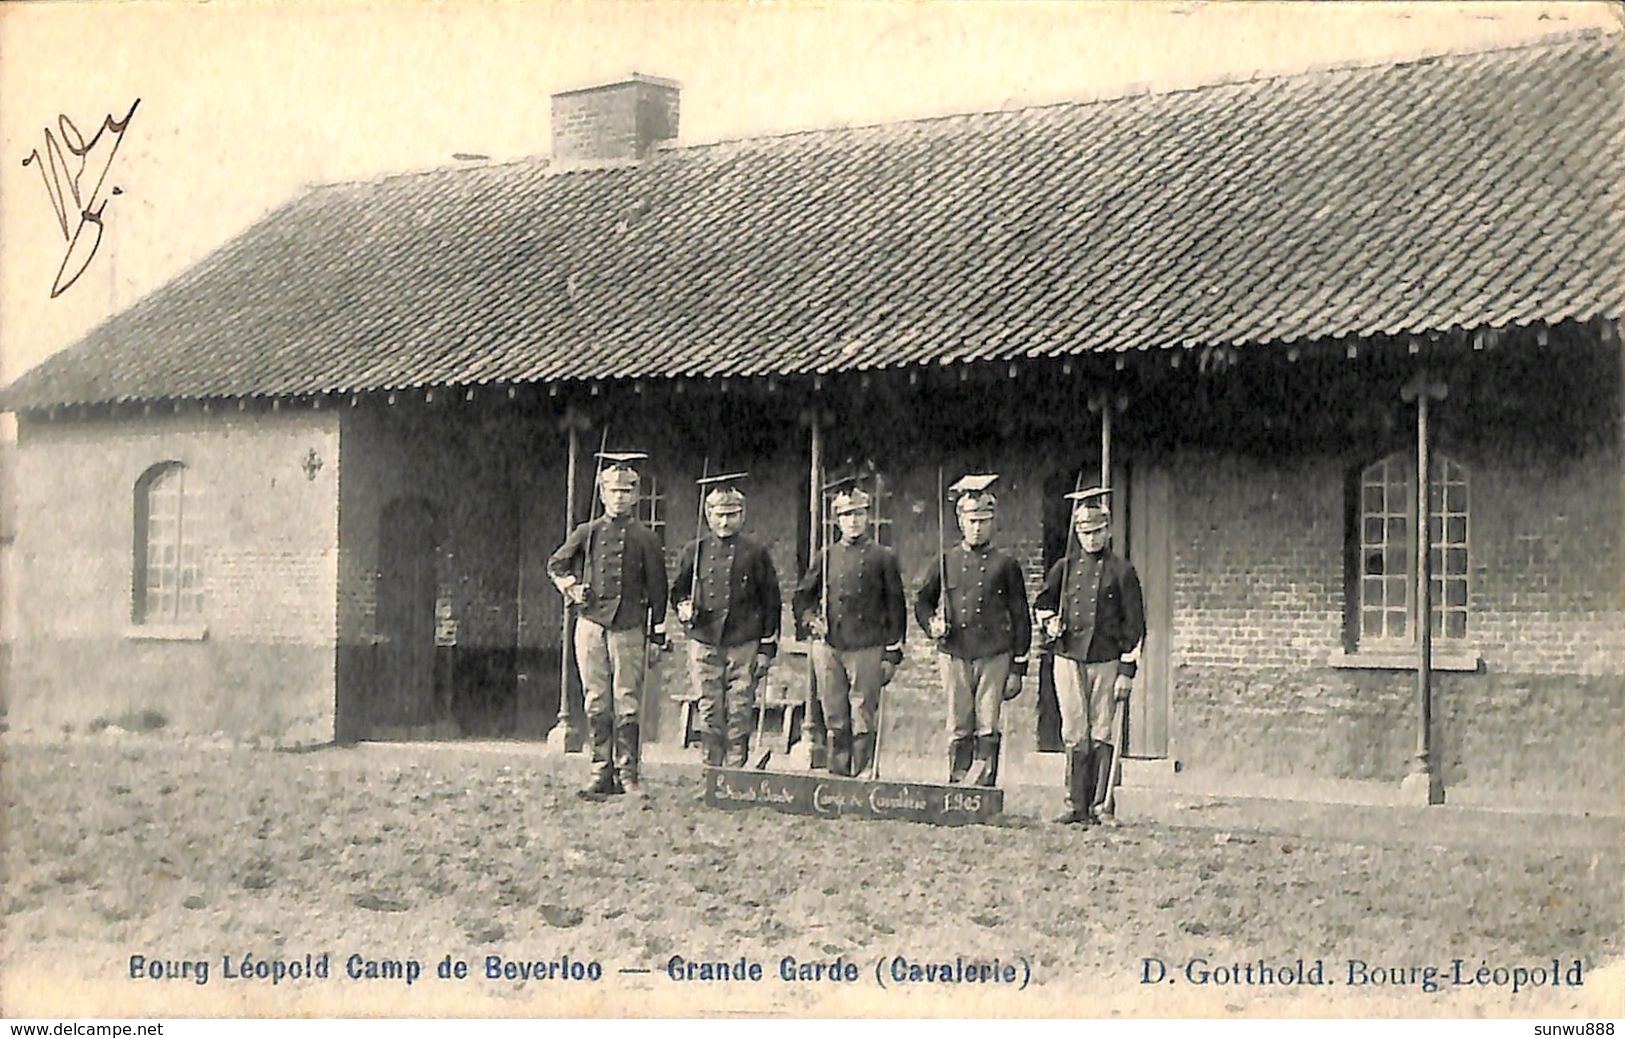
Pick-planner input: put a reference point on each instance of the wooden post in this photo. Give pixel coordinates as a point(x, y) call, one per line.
point(810, 751)
point(1106, 442)
point(815, 487)
point(563, 736)
point(1423, 785)
point(567, 632)
point(1106, 402)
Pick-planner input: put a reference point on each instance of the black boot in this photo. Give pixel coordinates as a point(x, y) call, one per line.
point(739, 752)
point(1068, 816)
point(1103, 780)
point(628, 754)
point(840, 751)
point(959, 758)
point(863, 752)
point(1084, 802)
point(603, 783)
point(599, 729)
point(1079, 787)
point(817, 735)
point(987, 751)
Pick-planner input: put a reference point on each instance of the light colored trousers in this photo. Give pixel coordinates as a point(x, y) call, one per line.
point(848, 686)
point(975, 693)
point(612, 666)
point(1084, 693)
point(723, 680)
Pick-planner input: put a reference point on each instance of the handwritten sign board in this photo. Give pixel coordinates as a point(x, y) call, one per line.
point(827, 796)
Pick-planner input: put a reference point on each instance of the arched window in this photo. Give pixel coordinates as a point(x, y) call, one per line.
point(1385, 583)
point(167, 565)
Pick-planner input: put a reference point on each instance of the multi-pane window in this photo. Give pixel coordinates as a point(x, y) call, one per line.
point(652, 506)
point(168, 564)
point(881, 512)
point(1386, 582)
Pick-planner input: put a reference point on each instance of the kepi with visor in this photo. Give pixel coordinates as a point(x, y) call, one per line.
point(724, 494)
point(1090, 510)
point(974, 497)
point(616, 472)
point(847, 496)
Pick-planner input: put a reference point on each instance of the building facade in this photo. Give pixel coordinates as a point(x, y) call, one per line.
point(344, 538)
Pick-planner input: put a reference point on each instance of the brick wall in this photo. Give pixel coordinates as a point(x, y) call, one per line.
point(471, 476)
point(1547, 559)
point(614, 121)
point(484, 476)
point(1258, 570)
point(269, 541)
point(1258, 608)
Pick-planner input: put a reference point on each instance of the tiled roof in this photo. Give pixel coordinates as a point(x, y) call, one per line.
point(1456, 191)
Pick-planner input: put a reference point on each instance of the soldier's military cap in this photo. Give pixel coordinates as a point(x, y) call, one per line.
point(615, 471)
point(975, 496)
point(1089, 508)
point(723, 493)
point(847, 495)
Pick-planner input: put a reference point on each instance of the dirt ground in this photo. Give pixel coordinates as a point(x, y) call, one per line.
point(120, 845)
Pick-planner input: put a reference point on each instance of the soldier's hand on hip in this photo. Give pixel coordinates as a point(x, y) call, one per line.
point(685, 611)
point(576, 594)
point(1123, 686)
point(938, 627)
point(888, 670)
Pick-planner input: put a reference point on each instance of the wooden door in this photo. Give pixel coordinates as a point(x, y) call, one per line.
point(404, 689)
point(1150, 549)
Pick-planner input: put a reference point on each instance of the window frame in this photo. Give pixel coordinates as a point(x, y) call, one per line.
point(1452, 651)
point(156, 619)
point(653, 506)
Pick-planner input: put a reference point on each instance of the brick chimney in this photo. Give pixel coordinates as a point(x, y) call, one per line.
point(614, 121)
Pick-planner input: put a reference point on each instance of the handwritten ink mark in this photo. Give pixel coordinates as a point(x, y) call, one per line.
point(63, 183)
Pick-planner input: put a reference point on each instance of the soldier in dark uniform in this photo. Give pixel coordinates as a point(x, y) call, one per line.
point(982, 629)
point(727, 593)
point(852, 601)
point(613, 571)
point(1092, 615)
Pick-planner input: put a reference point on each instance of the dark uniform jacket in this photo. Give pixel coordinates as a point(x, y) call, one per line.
point(625, 572)
point(867, 606)
point(736, 598)
point(1102, 612)
point(987, 605)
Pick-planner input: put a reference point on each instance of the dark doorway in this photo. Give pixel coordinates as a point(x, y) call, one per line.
point(403, 690)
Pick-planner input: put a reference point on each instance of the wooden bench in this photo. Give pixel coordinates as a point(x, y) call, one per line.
point(691, 714)
point(785, 692)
